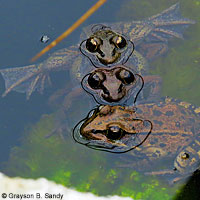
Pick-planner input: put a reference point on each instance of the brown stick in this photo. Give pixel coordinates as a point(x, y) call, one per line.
point(70, 29)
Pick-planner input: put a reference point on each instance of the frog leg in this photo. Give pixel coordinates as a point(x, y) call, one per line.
point(75, 93)
point(60, 126)
point(168, 24)
point(160, 27)
point(23, 79)
point(61, 118)
point(186, 162)
point(29, 78)
point(152, 50)
point(142, 158)
point(56, 99)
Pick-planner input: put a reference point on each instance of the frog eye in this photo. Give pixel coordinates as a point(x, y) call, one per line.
point(185, 156)
point(119, 41)
point(92, 44)
point(95, 80)
point(114, 132)
point(125, 76)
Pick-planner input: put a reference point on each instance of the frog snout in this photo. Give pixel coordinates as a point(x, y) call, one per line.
point(107, 55)
point(113, 91)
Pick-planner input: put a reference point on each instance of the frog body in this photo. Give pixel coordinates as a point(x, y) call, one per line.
point(175, 135)
point(149, 36)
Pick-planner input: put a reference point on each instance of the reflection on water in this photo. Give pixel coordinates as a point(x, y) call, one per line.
point(74, 165)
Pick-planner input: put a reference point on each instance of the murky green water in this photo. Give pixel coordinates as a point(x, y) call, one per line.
point(26, 123)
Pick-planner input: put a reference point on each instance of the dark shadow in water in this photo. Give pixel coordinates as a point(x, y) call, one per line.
point(191, 191)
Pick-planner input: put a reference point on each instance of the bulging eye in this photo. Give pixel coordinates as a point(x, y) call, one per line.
point(92, 44)
point(96, 79)
point(114, 132)
point(125, 76)
point(119, 41)
point(185, 156)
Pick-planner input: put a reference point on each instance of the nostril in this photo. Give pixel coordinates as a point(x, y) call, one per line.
point(106, 92)
point(101, 53)
point(113, 53)
point(120, 88)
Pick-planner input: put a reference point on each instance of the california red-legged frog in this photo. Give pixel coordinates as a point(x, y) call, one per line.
point(174, 138)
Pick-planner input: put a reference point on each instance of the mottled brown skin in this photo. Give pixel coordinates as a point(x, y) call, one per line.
point(173, 125)
point(175, 135)
point(97, 126)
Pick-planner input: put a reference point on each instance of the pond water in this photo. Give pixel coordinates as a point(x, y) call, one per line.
point(26, 152)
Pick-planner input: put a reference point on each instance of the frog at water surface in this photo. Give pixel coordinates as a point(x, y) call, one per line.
point(119, 85)
point(113, 85)
point(104, 47)
point(113, 129)
point(174, 139)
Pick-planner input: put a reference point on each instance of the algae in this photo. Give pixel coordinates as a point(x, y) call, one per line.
point(74, 165)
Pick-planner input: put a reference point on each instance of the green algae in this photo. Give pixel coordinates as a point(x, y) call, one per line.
point(74, 165)
point(151, 189)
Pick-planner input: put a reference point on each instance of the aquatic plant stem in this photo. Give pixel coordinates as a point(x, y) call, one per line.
point(70, 29)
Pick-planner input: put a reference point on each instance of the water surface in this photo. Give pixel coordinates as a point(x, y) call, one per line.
point(24, 150)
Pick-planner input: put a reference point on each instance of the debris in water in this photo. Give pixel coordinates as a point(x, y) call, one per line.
point(44, 39)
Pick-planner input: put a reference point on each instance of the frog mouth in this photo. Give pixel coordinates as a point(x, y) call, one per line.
point(110, 99)
point(109, 61)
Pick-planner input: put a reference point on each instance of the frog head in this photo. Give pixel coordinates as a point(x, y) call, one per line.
point(112, 128)
point(113, 86)
point(104, 47)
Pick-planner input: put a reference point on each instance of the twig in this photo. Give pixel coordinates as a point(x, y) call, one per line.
point(70, 29)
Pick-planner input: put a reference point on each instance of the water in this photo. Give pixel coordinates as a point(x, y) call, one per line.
point(24, 150)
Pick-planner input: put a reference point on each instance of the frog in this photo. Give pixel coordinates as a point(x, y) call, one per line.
point(120, 85)
point(106, 45)
point(114, 129)
point(174, 138)
point(113, 85)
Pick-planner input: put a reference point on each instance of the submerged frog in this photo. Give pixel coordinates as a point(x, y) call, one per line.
point(114, 129)
point(174, 139)
point(113, 85)
point(119, 85)
point(104, 47)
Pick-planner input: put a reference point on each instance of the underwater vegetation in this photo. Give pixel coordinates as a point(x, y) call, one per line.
point(73, 165)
